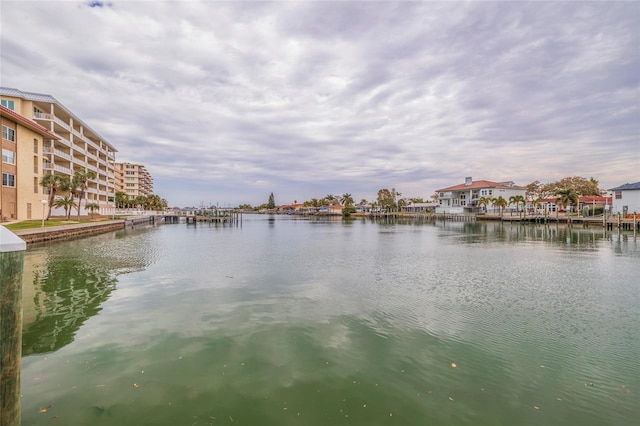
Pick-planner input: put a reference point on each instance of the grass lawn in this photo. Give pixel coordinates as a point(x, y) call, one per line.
point(32, 224)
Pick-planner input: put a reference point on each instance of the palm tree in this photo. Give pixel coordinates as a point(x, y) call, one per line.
point(566, 197)
point(51, 183)
point(501, 203)
point(484, 201)
point(91, 207)
point(65, 202)
point(80, 182)
point(517, 199)
point(346, 200)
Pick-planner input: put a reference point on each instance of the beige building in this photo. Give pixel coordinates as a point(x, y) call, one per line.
point(68, 145)
point(23, 157)
point(133, 179)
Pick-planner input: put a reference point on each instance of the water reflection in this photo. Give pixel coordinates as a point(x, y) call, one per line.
point(65, 283)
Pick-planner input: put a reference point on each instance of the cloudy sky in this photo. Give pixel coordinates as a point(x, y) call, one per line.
point(226, 102)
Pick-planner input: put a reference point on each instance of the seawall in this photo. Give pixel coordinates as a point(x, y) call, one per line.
point(65, 232)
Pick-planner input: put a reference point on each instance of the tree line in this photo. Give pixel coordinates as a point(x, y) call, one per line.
point(566, 192)
point(67, 192)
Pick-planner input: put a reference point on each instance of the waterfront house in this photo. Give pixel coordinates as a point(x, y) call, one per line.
point(626, 199)
point(588, 203)
point(420, 208)
point(463, 198)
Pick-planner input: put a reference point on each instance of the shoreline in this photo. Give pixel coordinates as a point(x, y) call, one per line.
point(66, 232)
point(78, 230)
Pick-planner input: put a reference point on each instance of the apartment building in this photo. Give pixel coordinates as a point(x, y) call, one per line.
point(68, 145)
point(133, 179)
point(23, 143)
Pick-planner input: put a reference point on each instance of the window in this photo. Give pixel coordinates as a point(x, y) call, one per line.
point(8, 134)
point(7, 104)
point(35, 146)
point(483, 192)
point(618, 195)
point(129, 173)
point(8, 179)
point(8, 157)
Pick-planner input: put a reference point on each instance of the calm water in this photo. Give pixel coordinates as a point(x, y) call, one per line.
point(283, 321)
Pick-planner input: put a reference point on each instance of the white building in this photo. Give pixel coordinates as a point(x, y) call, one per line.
point(626, 198)
point(464, 198)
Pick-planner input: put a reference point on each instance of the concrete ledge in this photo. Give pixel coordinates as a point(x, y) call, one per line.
point(10, 241)
point(41, 235)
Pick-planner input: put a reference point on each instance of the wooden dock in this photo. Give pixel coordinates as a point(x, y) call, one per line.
point(232, 218)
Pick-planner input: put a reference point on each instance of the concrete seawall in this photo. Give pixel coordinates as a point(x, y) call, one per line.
point(66, 232)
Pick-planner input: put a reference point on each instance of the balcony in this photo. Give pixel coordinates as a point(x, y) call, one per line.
point(57, 168)
point(43, 116)
point(57, 152)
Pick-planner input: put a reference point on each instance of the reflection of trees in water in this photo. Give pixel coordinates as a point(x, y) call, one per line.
point(68, 293)
point(489, 231)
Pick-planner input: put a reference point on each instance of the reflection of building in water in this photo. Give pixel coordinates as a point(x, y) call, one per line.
point(65, 283)
point(60, 293)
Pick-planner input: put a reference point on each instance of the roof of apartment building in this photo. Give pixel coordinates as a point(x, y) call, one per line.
point(30, 124)
point(480, 184)
point(39, 97)
point(626, 186)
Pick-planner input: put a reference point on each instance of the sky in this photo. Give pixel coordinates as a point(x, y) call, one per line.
point(228, 102)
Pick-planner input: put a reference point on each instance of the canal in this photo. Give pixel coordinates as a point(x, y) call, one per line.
point(288, 321)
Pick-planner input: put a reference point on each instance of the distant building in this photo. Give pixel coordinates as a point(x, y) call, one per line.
point(463, 198)
point(420, 207)
point(626, 198)
point(133, 179)
point(69, 145)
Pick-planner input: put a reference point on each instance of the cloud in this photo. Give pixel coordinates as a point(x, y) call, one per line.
point(235, 100)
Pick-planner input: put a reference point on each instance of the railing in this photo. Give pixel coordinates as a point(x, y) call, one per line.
point(57, 168)
point(54, 151)
point(65, 141)
point(61, 123)
point(42, 116)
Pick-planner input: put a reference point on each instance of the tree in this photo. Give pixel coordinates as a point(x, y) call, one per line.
point(51, 183)
point(501, 203)
point(271, 204)
point(386, 199)
point(517, 199)
point(122, 200)
point(330, 198)
point(140, 201)
point(92, 207)
point(566, 197)
point(80, 182)
point(580, 185)
point(484, 201)
point(346, 200)
point(65, 202)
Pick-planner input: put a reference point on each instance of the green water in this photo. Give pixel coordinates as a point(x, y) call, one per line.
point(283, 321)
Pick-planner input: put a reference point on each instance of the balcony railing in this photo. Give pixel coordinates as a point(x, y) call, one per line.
point(61, 123)
point(57, 168)
point(42, 116)
point(54, 151)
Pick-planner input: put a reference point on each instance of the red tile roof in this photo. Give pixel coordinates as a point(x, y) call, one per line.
point(480, 184)
point(30, 124)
